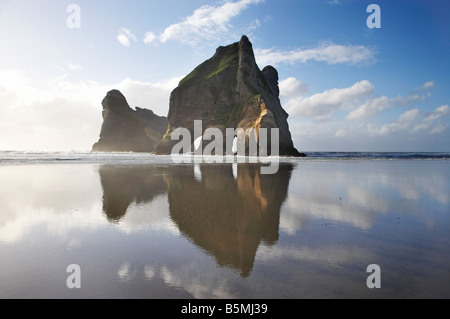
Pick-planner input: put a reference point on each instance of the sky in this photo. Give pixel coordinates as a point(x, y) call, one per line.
point(352, 78)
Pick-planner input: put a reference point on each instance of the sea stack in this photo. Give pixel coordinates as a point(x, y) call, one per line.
point(229, 91)
point(128, 130)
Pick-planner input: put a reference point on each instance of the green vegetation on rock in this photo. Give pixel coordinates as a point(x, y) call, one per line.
point(225, 62)
point(224, 58)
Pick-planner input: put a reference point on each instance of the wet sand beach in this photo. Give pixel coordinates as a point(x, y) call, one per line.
point(163, 230)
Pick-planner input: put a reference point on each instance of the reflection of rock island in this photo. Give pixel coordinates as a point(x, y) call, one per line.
point(123, 185)
point(227, 217)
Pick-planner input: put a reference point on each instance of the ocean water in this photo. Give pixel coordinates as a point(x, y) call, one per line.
point(142, 226)
point(39, 157)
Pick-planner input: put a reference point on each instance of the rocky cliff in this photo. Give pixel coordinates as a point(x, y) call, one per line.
point(229, 91)
point(128, 130)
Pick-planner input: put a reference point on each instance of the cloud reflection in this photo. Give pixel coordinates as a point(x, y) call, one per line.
point(356, 196)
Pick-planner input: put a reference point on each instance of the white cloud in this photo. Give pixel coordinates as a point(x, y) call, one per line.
point(255, 24)
point(413, 121)
point(441, 111)
point(63, 115)
point(322, 118)
point(74, 67)
point(370, 108)
point(438, 129)
point(57, 114)
point(428, 85)
point(149, 37)
point(425, 87)
point(341, 133)
point(154, 96)
point(124, 36)
point(291, 87)
point(374, 106)
point(320, 106)
point(206, 22)
point(429, 122)
point(408, 116)
point(359, 99)
point(326, 52)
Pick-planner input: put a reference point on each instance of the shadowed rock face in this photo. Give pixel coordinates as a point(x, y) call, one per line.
point(229, 91)
point(128, 130)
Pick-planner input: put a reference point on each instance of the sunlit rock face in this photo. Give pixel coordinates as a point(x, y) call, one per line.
point(128, 130)
point(229, 91)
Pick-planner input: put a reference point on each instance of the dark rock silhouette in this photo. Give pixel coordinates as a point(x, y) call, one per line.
point(128, 130)
point(229, 91)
